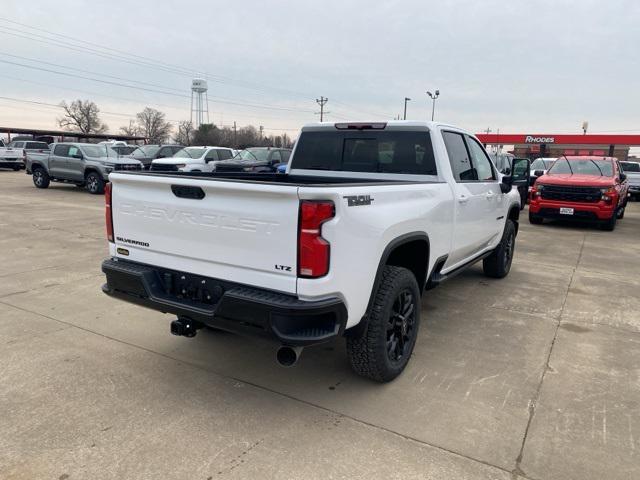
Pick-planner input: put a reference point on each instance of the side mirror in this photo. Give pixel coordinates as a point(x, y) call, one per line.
point(623, 177)
point(78, 156)
point(538, 173)
point(506, 184)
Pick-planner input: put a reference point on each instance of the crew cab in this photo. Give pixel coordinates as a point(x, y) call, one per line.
point(581, 188)
point(83, 164)
point(367, 217)
point(193, 159)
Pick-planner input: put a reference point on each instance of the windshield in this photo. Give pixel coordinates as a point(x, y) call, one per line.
point(97, 151)
point(540, 164)
point(253, 155)
point(124, 150)
point(586, 166)
point(630, 166)
point(190, 152)
point(145, 151)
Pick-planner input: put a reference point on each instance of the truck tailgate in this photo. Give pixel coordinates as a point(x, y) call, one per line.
point(239, 231)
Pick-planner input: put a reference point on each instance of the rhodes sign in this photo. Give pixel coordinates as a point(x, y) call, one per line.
point(537, 139)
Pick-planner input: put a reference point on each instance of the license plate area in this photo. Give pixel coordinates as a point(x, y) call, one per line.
point(190, 287)
point(566, 211)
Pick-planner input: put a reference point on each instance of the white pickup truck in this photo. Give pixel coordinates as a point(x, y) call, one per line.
point(368, 216)
point(10, 157)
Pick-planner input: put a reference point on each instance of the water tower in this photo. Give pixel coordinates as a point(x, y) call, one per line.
point(201, 107)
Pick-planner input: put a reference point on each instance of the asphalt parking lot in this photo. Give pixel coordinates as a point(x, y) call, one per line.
point(535, 376)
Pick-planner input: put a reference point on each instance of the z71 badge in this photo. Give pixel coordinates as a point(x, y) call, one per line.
point(357, 200)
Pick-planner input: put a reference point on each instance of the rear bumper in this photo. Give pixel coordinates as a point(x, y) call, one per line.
point(225, 305)
point(582, 211)
point(10, 163)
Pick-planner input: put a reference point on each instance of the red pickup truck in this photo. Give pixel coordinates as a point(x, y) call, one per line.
point(581, 188)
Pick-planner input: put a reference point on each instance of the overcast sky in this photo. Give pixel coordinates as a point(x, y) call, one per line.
point(520, 66)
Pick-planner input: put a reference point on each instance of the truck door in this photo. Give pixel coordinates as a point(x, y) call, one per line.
point(58, 161)
point(476, 193)
point(75, 164)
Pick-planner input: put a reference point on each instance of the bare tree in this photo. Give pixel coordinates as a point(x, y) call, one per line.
point(82, 115)
point(185, 133)
point(153, 124)
point(131, 130)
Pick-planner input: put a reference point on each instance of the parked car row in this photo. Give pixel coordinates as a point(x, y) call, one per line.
point(89, 165)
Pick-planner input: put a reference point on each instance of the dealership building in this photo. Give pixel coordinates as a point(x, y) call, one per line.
point(555, 145)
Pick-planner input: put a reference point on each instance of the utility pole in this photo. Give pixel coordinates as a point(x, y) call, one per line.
point(235, 134)
point(434, 97)
point(487, 131)
point(261, 130)
point(406, 99)
point(322, 101)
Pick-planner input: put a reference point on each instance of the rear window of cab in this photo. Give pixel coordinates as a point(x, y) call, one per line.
point(402, 152)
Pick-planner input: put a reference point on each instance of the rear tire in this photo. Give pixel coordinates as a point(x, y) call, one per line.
point(383, 350)
point(94, 183)
point(535, 219)
point(498, 264)
point(40, 178)
point(16, 168)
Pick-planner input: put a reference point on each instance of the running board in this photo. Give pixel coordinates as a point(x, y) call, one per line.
point(437, 277)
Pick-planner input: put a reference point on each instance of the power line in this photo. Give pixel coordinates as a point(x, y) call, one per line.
point(109, 82)
point(148, 64)
point(152, 63)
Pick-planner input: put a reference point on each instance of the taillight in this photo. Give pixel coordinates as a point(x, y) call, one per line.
point(313, 250)
point(107, 211)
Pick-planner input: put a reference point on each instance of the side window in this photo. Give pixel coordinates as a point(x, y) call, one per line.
point(276, 157)
point(165, 152)
point(285, 155)
point(73, 151)
point(61, 150)
point(458, 157)
point(225, 154)
point(17, 144)
point(480, 160)
point(210, 156)
point(175, 149)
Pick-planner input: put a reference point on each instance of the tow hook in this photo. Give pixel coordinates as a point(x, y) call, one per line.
point(185, 327)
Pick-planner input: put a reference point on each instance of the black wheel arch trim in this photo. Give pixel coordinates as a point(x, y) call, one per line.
point(391, 246)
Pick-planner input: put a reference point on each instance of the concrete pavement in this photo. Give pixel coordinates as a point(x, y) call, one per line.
point(536, 376)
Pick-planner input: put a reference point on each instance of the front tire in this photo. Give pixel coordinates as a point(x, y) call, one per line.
point(498, 264)
point(383, 350)
point(94, 183)
point(534, 219)
point(610, 225)
point(40, 178)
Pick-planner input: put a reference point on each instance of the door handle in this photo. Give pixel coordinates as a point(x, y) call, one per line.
point(463, 199)
point(490, 195)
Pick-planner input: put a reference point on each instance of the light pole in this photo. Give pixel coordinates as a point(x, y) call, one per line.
point(406, 99)
point(433, 97)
